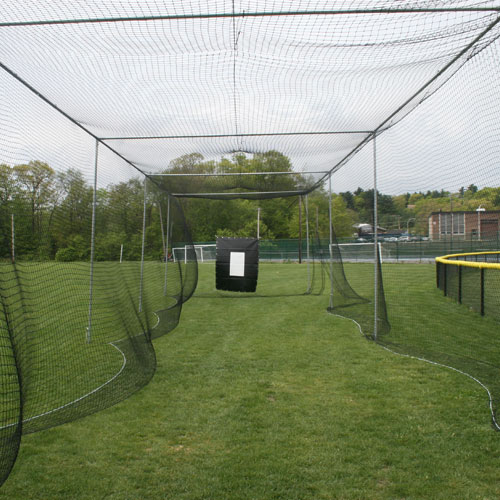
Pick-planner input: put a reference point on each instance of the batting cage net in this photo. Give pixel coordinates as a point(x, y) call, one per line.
point(130, 130)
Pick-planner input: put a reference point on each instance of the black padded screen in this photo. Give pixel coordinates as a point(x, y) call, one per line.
point(237, 264)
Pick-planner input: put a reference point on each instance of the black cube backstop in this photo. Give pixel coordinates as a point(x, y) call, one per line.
point(237, 264)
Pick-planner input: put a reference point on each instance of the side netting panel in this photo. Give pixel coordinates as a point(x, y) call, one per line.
point(84, 279)
point(175, 280)
point(92, 310)
point(237, 264)
point(10, 387)
point(443, 194)
point(356, 288)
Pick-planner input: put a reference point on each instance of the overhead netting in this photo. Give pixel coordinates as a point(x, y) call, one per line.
point(396, 101)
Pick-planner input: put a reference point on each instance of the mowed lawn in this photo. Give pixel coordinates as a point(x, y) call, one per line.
point(271, 397)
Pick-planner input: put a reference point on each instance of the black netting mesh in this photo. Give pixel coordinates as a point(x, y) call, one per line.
point(397, 103)
point(83, 284)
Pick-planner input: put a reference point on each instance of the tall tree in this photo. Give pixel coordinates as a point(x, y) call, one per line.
point(36, 188)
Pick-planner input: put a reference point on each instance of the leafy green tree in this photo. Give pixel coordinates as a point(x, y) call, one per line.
point(123, 208)
point(35, 180)
point(472, 189)
point(8, 193)
point(73, 213)
point(207, 217)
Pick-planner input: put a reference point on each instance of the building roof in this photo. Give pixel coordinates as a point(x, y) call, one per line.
point(465, 212)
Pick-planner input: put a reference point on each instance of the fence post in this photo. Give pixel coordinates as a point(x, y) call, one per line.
point(482, 291)
point(459, 284)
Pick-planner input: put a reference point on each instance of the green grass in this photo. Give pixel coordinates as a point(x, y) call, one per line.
point(274, 398)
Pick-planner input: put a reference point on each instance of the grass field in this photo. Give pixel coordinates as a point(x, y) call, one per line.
point(274, 398)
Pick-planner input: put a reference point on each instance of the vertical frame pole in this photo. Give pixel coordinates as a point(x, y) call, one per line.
point(13, 239)
point(121, 253)
point(331, 237)
point(307, 246)
point(166, 246)
point(300, 229)
point(92, 246)
point(143, 245)
point(162, 229)
point(375, 236)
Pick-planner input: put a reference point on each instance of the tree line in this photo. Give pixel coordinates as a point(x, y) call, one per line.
point(50, 213)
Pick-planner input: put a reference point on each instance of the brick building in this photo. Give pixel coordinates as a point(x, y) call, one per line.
point(465, 225)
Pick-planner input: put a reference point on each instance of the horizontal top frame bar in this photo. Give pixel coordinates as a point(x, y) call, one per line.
point(215, 136)
point(235, 174)
point(248, 14)
point(241, 194)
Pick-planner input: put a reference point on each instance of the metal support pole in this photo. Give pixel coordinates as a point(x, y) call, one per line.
point(166, 246)
point(375, 236)
point(331, 237)
point(300, 229)
point(307, 247)
point(121, 253)
point(143, 245)
point(92, 246)
point(162, 232)
point(13, 239)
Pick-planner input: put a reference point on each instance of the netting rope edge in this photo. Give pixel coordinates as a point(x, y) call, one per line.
point(495, 424)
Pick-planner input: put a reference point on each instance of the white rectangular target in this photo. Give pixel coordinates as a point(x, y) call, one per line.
point(237, 264)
